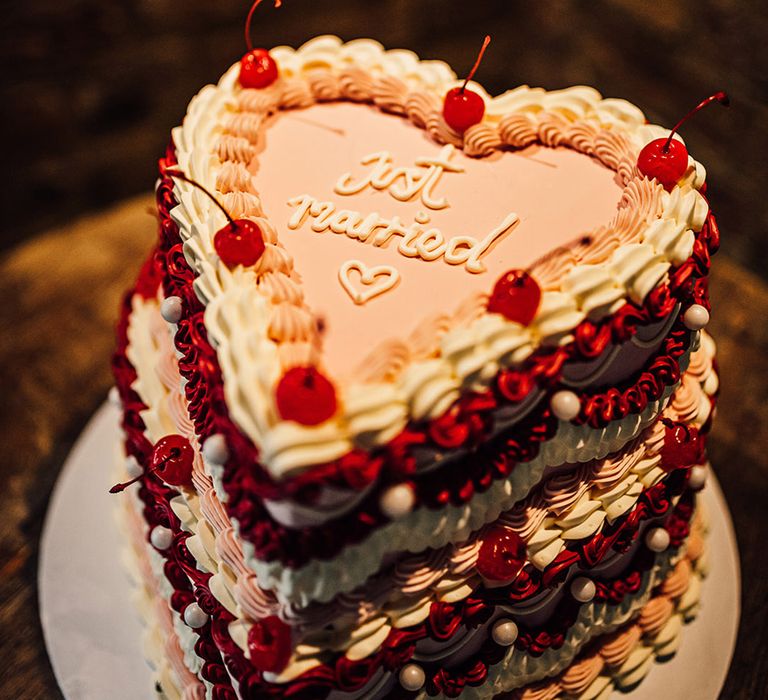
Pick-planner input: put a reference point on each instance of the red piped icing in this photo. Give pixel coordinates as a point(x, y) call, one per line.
point(467, 425)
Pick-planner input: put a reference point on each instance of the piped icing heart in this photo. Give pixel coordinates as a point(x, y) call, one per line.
point(374, 280)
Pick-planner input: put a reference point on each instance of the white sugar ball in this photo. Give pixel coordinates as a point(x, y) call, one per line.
point(215, 450)
point(161, 537)
point(194, 616)
point(583, 589)
point(657, 539)
point(698, 478)
point(412, 677)
point(504, 632)
point(170, 309)
point(565, 405)
point(696, 317)
point(397, 501)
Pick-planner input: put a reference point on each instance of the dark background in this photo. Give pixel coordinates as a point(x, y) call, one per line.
point(90, 90)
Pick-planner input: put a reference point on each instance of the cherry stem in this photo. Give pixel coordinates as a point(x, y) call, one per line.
point(248, 42)
point(119, 488)
point(469, 77)
point(720, 97)
point(181, 176)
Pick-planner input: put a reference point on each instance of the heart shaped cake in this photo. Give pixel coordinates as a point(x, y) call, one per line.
point(437, 385)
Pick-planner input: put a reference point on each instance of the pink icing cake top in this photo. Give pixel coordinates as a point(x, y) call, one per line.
point(465, 197)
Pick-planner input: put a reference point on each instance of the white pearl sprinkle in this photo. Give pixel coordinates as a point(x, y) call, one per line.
point(170, 309)
point(698, 478)
point(657, 539)
point(215, 450)
point(565, 405)
point(397, 501)
point(114, 397)
point(161, 537)
point(696, 317)
point(132, 467)
point(583, 589)
point(504, 632)
point(412, 677)
point(194, 616)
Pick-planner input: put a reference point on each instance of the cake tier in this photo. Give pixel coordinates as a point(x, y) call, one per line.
point(570, 522)
point(475, 460)
point(437, 424)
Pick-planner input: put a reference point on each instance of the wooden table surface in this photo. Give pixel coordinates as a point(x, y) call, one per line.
point(60, 294)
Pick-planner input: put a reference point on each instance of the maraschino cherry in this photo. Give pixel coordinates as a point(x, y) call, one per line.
point(171, 460)
point(516, 296)
point(463, 108)
point(240, 242)
point(666, 159)
point(502, 555)
point(304, 395)
point(269, 644)
point(257, 68)
point(682, 446)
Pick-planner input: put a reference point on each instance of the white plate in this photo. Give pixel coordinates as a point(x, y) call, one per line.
point(93, 633)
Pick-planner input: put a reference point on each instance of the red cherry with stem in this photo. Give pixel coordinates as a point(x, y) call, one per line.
point(172, 459)
point(502, 555)
point(257, 68)
point(682, 447)
point(269, 644)
point(240, 242)
point(666, 159)
point(516, 296)
point(305, 396)
point(463, 108)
